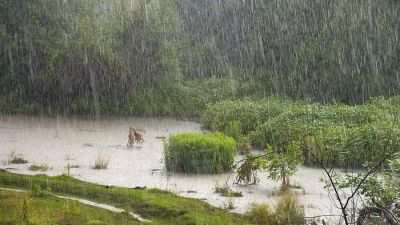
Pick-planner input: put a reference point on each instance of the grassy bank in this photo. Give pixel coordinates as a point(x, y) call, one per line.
point(161, 207)
point(17, 208)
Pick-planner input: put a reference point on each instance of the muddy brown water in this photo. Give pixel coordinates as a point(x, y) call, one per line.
point(58, 142)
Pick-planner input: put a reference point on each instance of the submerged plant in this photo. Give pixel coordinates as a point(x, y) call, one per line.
point(226, 191)
point(17, 158)
point(41, 167)
point(101, 163)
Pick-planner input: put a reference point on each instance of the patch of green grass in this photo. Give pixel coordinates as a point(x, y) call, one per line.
point(199, 153)
point(160, 206)
point(51, 210)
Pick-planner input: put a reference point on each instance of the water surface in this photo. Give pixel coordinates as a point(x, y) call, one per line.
point(58, 142)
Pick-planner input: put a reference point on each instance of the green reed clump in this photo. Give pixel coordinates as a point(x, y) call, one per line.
point(288, 211)
point(199, 153)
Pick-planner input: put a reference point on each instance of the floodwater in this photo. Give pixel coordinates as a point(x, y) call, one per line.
point(58, 142)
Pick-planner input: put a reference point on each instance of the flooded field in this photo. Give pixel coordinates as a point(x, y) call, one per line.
point(57, 142)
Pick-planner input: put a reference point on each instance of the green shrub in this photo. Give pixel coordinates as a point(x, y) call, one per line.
point(289, 211)
point(38, 191)
point(262, 214)
point(354, 146)
point(199, 153)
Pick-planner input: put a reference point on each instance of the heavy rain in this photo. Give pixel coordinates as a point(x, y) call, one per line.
point(206, 112)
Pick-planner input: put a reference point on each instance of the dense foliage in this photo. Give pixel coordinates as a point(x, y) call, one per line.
point(347, 136)
point(172, 57)
point(199, 153)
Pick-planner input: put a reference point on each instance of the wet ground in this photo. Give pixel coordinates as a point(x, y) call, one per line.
point(58, 142)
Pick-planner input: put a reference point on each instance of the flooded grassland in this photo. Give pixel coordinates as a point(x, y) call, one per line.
point(62, 143)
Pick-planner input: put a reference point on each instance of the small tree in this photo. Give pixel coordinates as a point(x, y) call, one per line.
point(282, 163)
point(279, 163)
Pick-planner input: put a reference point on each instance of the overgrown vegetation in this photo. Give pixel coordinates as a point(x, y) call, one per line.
point(346, 136)
point(199, 153)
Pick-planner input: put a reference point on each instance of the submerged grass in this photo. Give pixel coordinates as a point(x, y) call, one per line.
point(160, 206)
point(41, 167)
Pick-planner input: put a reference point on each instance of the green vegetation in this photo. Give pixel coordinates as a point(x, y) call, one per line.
point(199, 153)
point(51, 210)
point(17, 158)
point(173, 57)
point(161, 207)
point(226, 191)
point(41, 167)
point(99, 164)
point(288, 211)
point(341, 135)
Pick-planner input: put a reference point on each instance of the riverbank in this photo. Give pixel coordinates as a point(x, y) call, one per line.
point(161, 207)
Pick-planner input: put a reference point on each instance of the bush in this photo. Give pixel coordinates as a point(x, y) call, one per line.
point(354, 146)
point(289, 211)
point(199, 153)
point(262, 214)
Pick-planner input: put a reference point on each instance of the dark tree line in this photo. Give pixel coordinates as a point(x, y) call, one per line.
point(172, 57)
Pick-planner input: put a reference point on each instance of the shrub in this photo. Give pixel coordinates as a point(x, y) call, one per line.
point(289, 211)
point(262, 214)
point(199, 153)
point(354, 146)
point(39, 192)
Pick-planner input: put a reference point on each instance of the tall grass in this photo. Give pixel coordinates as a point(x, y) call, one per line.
point(199, 153)
point(343, 135)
